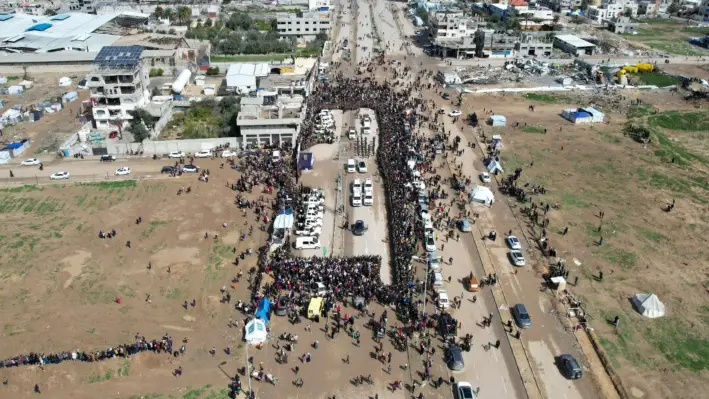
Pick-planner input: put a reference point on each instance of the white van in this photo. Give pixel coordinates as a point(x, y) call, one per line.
point(357, 193)
point(352, 134)
point(366, 131)
point(438, 280)
point(276, 156)
point(351, 166)
point(307, 243)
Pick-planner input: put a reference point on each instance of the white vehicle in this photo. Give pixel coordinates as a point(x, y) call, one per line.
point(122, 171)
point(366, 122)
point(357, 193)
point(314, 231)
point(309, 222)
point(517, 257)
point(513, 242)
point(276, 156)
point(465, 390)
point(313, 201)
point(430, 243)
point(361, 167)
point(366, 131)
point(228, 154)
point(351, 168)
point(427, 222)
point(434, 262)
point(368, 192)
point(314, 214)
point(352, 134)
point(190, 169)
point(60, 176)
point(176, 154)
point(320, 289)
point(30, 162)
point(485, 177)
point(307, 243)
point(455, 113)
point(203, 154)
point(442, 300)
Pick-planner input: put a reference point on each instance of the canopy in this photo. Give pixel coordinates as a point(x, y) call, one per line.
point(482, 195)
point(264, 306)
point(493, 166)
point(256, 332)
point(648, 305)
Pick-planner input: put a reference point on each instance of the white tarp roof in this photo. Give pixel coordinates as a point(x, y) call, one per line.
point(493, 166)
point(482, 195)
point(648, 305)
point(256, 332)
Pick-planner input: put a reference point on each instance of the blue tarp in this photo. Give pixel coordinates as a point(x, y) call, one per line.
point(39, 27)
point(580, 114)
point(287, 211)
point(306, 160)
point(263, 308)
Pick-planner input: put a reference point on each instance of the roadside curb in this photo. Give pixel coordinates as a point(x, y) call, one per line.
point(524, 364)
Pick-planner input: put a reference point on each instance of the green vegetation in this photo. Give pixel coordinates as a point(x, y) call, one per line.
point(533, 129)
point(218, 254)
point(570, 200)
point(657, 79)
point(125, 370)
point(154, 224)
point(680, 344)
point(110, 185)
point(545, 98)
point(641, 110)
point(690, 121)
point(618, 256)
point(195, 393)
point(208, 119)
point(20, 189)
point(156, 72)
point(101, 377)
point(663, 35)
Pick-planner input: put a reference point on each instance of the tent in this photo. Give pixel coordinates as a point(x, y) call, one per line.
point(493, 166)
point(648, 305)
point(483, 195)
point(65, 81)
point(263, 308)
point(497, 120)
point(256, 332)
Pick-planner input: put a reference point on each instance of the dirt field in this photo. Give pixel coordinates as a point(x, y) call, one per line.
point(669, 36)
point(589, 169)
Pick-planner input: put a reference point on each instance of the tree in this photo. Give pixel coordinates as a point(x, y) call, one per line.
point(159, 12)
point(628, 12)
point(208, 23)
point(184, 14)
point(673, 8)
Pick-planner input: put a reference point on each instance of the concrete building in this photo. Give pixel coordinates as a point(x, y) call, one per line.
point(169, 51)
point(118, 84)
point(621, 25)
point(532, 17)
point(243, 77)
point(610, 9)
point(319, 5)
point(270, 120)
point(533, 46)
point(574, 45)
point(702, 11)
point(652, 8)
point(303, 25)
point(453, 24)
point(562, 5)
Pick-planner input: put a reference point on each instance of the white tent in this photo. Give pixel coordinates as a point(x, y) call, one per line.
point(256, 332)
point(648, 305)
point(493, 166)
point(482, 195)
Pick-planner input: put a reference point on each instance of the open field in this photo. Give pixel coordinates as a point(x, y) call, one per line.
point(589, 169)
point(669, 36)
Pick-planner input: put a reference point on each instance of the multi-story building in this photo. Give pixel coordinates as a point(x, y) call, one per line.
point(702, 12)
point(610, 9)
point(266, 120)
point(319, 5)
point(562, 5)
point(118, 84)
point(303, 25)
point(530, 17)
point(88, 6)
point(452, 25)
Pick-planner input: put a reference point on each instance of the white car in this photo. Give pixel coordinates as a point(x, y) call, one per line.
point(513, 242)
point(309, 231)
point(190, 169)
point(442, 301)
point(307, 243)
point(176, 154)
point(60, 176)
point(455, 113)
point(122, 171)
point(362, 167)
point(430, 244)
point(485, 177)
point(465, 390)
point(517, 257)
point(203, 154)
point(30, 162)
point(228, 154)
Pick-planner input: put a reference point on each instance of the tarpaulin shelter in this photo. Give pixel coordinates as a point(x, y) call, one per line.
point(497, 120)
point(493, 166)
point(648, 305)
point(483, 195)
point(263, 309)
point(256, 332)
point(306, 161)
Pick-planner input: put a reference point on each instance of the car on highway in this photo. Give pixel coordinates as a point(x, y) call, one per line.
point(107, 158)
point(359, 228)
point(454, 358)
point(228, 154)
point(442, 300)
point(521, 316)
point(517, 257)
point(455, 113)
point(176, 154)
point(203, 154)
point(570, 367)
point(485, 177)
point(464, 390)
point(30, 162)
point(361, 167)
point(513, 242)
point(122, 171)
point(60, 176)
point(167, 169)
point(190, 169)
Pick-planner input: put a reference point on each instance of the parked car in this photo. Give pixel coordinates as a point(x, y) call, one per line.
point(362, 167)
point(464, 390)
point(454, 358)
point(517, 257)
point(176, 154)
point(513, 242)
point(122, 171)
point(30, 162)
point(570, 367)
point(430, 244)
point(434, 262)
point(107, 158)
point(282, 306)
point(203, 154)
point(228, 154)
point(307, 243)
point(190, 168)
point(359, 228)
point(167, 169)
point(485, 177)
point(442, 300)
point(60, 176)
point(309, 231)
point(521, 316)
point(455, 113)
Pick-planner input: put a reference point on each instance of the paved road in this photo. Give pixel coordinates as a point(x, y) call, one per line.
point(365, 36)
point(496, 62)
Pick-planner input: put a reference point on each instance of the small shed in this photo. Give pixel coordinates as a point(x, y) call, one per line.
point(583, 115)
point(306, 161)
point(497, 120)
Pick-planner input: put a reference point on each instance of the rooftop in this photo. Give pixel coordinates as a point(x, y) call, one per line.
point(280, 109)
point(119, 57)
point(260, 69)
point(574, 41)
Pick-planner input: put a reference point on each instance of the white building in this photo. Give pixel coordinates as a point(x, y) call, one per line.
point(270, 120)
point(531, 17)
point(243, 77)
point(303, 25)
point(611, 9)
point(574, 45)
point(319, 5)
point(118, 84)
point(452, 25)
point(561, 5)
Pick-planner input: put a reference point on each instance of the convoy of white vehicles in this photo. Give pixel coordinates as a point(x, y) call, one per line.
point(357, 192)
point(308, 226)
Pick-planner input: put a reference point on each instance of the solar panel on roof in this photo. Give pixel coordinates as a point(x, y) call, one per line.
point(119, 56)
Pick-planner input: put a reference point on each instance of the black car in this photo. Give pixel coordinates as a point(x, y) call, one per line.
point(167, 169)
point(107, 158)
point(447, 326)
point(454, 358)
point(570, 367)
point(358, 228)
point(282, 306)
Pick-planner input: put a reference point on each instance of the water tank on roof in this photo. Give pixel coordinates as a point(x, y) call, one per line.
point(181, 81)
